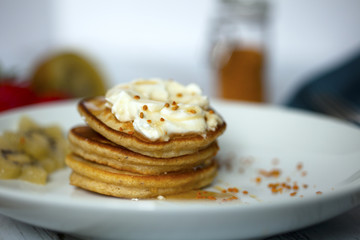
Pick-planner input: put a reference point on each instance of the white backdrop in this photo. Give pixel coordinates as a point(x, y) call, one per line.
point(155, 38)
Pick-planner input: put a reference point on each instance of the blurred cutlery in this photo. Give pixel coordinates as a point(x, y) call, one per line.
point(337, 107)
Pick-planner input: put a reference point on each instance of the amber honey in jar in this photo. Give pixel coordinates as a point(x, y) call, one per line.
point(241, 75)
point(238, 49)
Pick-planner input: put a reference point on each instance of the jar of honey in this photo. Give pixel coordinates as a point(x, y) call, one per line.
point(238, 49)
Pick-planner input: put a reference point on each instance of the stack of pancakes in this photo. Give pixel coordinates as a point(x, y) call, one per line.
point(109, 157)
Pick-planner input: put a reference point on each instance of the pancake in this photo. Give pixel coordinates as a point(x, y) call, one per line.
point(171, 151)
point(93, 147)
point(100, 119)
point(109, 181)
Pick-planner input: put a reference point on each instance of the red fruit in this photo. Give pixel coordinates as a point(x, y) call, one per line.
point(14, 95)
point(52, 96)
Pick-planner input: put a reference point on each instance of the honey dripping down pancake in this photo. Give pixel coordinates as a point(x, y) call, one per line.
point(99, 117)
point(144, 139)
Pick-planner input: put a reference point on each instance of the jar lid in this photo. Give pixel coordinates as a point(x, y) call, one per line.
point(233, 9)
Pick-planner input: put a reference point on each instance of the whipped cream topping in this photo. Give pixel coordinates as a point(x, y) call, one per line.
point(158, 108)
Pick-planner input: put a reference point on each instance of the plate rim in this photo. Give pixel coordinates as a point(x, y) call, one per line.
point(156, 206)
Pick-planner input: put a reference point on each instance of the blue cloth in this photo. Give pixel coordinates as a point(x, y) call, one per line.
point(343, 81)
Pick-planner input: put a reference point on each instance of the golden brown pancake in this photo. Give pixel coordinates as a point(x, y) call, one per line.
point(92, 146)
point(109, 181)
point(100, 119)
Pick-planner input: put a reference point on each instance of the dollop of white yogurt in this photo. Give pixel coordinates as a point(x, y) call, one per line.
point(159, 108)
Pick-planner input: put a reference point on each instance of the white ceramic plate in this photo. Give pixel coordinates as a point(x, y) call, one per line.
point(257, 137)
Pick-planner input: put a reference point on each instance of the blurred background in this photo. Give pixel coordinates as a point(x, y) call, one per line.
point(289, 41)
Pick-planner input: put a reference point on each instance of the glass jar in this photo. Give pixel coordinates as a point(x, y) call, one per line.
point(238, 49)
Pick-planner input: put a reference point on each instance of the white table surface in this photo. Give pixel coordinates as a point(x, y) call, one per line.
point(343, 227)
